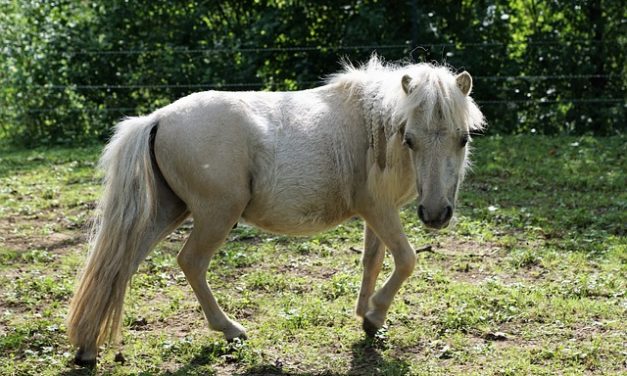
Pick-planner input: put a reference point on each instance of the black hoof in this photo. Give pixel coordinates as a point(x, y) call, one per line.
point(370, 328)
point(85, 363)
point(239, 338)
point(119, 358)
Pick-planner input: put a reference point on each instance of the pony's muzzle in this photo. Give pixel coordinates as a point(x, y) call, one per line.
point(435, 220)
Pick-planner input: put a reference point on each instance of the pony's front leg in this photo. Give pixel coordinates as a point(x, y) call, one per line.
point(372, 260)
point(388, 228)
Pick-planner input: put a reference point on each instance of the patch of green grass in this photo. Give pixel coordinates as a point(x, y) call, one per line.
point(531, 279)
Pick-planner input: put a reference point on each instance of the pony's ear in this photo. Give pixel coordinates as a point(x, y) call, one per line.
point(464, 82)
point(405, 83)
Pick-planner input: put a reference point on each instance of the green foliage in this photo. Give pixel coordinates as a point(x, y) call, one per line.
point(36, 54)
point(71, 69)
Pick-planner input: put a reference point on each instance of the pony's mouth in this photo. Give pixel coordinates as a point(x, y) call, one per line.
point(436, 225)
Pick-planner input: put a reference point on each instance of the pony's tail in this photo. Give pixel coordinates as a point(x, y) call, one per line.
point(123, 218)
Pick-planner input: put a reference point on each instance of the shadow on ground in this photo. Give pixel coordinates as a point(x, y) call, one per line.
point(366, 360)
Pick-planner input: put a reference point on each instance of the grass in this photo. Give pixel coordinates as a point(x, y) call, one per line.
point(530, 280)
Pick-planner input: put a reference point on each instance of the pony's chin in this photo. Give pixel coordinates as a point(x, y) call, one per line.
point(436, 226)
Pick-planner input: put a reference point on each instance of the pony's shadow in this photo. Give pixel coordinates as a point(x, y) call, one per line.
point(366, 360)
point(79, 371)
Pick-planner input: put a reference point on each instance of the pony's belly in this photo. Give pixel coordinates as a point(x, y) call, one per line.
point(282, 219)
point(290, 228)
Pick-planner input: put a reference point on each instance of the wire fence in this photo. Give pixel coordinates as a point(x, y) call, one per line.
point(305, 84)
point(308, 84)
point(499, 102)
point(408, 46)
point(299, 83)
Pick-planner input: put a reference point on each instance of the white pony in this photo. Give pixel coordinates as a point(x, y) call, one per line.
point(364, 144)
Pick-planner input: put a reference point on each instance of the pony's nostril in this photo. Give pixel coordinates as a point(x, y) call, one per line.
point(448, 213)
point(421, 213)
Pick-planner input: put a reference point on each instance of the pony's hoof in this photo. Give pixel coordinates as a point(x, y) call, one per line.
point(82, 362)
point(235, 332)
point(369, 327)
point(238, 338)
point(119, 358)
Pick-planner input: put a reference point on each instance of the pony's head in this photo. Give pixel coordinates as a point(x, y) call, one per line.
point(439, 117)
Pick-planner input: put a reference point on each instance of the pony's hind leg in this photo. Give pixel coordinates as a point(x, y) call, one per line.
point(211, 226)
point(372, 261)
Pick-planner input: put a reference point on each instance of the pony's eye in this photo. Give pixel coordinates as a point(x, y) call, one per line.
point(464, 140)
point(409, 142)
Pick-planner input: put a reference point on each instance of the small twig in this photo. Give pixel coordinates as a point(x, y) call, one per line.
point(426, 248)
point(356, 250)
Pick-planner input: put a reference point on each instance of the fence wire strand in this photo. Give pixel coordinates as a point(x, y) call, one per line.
point(298, 83)
point(408, 45)
point(596, 101)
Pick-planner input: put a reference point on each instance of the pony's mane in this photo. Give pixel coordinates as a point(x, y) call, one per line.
point(434, 95)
